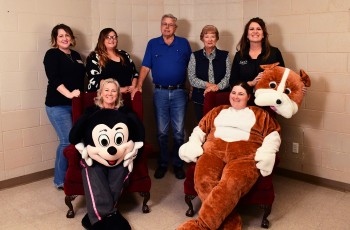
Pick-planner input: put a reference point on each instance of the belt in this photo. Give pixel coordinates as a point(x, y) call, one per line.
point(170, 87)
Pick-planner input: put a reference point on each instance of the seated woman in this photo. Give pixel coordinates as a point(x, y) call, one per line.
point(231, 143)
point(112, 134)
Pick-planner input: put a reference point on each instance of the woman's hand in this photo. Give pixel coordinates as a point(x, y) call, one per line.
point(131, 88)
point(75, 93)
point(127, 89)
point(212, 88)
point(304, 90)
point(256, 80)
point(124, 89)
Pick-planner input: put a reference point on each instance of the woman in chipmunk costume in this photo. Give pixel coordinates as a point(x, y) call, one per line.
point(238, 141)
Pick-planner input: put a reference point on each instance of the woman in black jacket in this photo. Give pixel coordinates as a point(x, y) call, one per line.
point(253, 50)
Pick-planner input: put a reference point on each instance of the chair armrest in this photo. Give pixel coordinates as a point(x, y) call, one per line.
point(137, 105)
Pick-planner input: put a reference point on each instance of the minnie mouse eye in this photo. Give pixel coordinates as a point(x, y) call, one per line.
point(287, 91)
point(103, 140)
point(272, 84)
point(119, 138)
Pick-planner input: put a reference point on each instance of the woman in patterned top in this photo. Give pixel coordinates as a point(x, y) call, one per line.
point(208, 69)
point(106, 61)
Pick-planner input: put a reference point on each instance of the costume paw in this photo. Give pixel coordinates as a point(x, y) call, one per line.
point(265, 162)
point(190, 151)
point(84, 154)
point(129, 157)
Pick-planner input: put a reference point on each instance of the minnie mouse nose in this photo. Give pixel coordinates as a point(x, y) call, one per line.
point(278, 102)
point(112, 150)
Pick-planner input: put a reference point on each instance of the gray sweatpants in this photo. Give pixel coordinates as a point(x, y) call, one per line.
point(103, 186)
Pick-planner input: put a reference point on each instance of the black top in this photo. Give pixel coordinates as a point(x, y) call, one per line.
point(246, 69)
point(202, 67)
point(123, 73)
point(63, 69)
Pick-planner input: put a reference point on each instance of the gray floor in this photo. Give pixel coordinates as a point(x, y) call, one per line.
point(298, 205)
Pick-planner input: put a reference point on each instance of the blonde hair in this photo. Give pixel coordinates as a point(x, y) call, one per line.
point(99, 100)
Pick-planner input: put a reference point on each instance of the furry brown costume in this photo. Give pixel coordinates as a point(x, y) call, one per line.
point(237, 143)
point(281, 89)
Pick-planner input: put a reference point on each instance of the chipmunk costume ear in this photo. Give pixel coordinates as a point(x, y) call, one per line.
point(281, 89)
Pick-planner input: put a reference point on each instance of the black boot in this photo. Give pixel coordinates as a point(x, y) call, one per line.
point(86, 222)
point(114, 221)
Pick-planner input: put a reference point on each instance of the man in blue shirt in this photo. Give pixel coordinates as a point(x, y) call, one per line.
point(167, 56)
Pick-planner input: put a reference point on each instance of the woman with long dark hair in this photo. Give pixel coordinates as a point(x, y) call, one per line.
point(107, 61)
point(253, 50)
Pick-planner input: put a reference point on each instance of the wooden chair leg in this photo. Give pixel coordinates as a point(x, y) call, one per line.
point(68, 200)
point(267, 210)
point(146, 196)
point(188, 200)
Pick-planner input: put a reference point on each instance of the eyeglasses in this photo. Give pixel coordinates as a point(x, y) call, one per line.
point(114, 37)
point(168, 24)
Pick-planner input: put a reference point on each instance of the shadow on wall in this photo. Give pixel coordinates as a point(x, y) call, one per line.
point(82, 44)
point(125, 43)
point(226, 41)
point(183, 28)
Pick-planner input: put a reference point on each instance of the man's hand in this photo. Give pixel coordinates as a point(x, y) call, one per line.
point(134, 91)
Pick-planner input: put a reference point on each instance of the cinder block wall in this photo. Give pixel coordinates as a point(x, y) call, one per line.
point(312, 34)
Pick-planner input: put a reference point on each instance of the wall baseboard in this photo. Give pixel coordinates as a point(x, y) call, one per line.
point(26, 179)
point(313, 179)
point(279, 171)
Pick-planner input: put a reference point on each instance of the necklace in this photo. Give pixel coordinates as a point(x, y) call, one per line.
point(69, 56)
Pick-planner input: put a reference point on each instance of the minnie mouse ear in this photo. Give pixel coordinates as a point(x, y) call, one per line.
point(137, 130)
point(77, 131)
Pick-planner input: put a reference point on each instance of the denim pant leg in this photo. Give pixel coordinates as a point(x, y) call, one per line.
point(61, 119)
point(178, 102)
point(162, 112)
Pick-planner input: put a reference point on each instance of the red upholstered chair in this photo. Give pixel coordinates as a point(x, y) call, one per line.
point(262, 193)
point(139, 178)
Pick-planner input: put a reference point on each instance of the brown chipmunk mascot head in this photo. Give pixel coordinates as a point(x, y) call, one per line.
point(281, 89)
point(233, 146)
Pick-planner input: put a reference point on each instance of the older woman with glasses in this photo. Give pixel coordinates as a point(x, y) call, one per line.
point(107, 61)
point(209, 69)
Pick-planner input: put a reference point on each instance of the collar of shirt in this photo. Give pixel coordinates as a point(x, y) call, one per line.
point(210, 56)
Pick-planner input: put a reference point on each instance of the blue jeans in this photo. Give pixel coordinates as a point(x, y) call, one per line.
point(170, 106)
point(61, 119)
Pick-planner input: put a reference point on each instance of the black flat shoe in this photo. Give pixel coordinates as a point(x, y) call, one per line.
point(179, 173)
point(86, 222)
point(160, 172)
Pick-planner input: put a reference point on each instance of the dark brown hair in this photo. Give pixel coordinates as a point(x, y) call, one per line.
point(244, 45)
point(54, 34)
point(244, 85)
point(101, 50)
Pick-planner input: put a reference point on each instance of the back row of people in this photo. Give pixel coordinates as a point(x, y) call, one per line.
point(170, 59)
